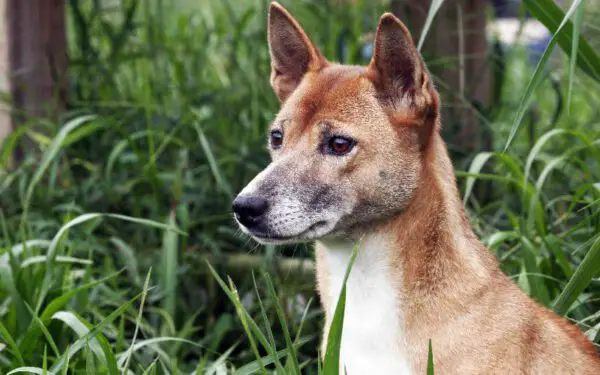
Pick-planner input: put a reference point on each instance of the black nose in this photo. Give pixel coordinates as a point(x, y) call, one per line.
point(249, 209)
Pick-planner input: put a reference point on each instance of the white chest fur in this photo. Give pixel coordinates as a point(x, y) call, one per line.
point(372, 338)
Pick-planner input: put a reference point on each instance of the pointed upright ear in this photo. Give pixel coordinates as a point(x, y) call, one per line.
point(292, 52)
point(396, 63)
point(400, 76)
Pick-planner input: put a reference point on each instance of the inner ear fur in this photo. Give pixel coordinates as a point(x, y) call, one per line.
point(292, 52)
point(401, 78)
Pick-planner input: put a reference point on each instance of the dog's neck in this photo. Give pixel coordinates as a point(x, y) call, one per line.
point(428, 254)
point(432, 242)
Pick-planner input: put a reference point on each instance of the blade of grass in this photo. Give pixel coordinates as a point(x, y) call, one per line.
point(574, 52)
point(137, 321)
point(270, 335)
point(536, 79)
point(45, 331)
point(212, 162)
point(168, 266)
point(216, 368)
point(59, 259)
point(430, 370)
point(32, 333)
point(73, 322)
point(552, 164)
point(62, 362)
point(284, 326)
point(128, 258)
point(53, 247)
point(11, 344)
point(581, 279)
point(433, 9)
point(49, 155)
point(30, 370)
point(538, 288)
point(90, 363)
point(552, 16)
point(244, 317)
point(126, 356)
point(303, 319)
point(331, 362)
point(476, 165)
point(45, 361)
point(254, 366)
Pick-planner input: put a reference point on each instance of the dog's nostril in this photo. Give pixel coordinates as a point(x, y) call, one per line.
point(248, 209)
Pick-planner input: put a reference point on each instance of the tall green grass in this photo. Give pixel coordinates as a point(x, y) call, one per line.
point(108, 223)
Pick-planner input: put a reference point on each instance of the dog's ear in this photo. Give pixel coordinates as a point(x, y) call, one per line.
point(396, 60)
point(292, 52)
point(400, 76)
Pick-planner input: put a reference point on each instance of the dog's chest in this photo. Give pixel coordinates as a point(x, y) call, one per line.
point(372, 337)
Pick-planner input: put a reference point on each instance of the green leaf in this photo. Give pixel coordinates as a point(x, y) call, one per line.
point(538, 73)
point(537, 147)
point(168, 266)
point(497, 238)
point(36, 259)
point(430, 370)
point(45, 361)
point(53, 247)
point(127, 357)
point(32, 334)
point(267, 325)
point(127, 256)
point(433, 9)
point(212, 162)
point(90, 363)
point(249, 325)
point(11, 344)
point(550, 14)
point(581, 279)
point(254, 366)
point(8, 146)
point(574, 50)
point(286, 331)
point(49, 155)
point(29, 370)
point(94, 333)
point(123, 358)
point(476, 165)
point(537, 285)
point(331, 363)
point(82, 330)
point(45, 331)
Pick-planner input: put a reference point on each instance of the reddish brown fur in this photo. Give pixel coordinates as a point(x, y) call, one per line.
point(434, 279)
point(452, 289)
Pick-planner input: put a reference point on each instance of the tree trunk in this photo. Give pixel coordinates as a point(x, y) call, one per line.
point(457, 54)
point(34, 54)
point(5, 87)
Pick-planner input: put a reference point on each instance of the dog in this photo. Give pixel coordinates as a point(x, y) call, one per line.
point(357, 157)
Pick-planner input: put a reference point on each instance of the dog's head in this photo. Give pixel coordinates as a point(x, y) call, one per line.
point(348, 142)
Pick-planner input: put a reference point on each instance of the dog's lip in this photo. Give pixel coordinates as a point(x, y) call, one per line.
point(275, 237)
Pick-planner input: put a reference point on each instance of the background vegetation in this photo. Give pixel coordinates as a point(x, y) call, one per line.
point(107, 224)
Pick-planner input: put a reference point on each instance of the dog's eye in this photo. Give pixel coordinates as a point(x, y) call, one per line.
point(276, 139)
point(339, 146)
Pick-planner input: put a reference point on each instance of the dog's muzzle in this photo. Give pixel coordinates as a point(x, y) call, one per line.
point(250, 210)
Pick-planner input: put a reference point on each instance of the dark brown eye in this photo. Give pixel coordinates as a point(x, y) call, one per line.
point(339, 146)
point(276, 139)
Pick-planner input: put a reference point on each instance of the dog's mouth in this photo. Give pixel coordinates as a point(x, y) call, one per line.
point(316, 230)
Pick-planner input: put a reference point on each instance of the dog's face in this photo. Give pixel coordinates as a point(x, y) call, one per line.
point(347, 143)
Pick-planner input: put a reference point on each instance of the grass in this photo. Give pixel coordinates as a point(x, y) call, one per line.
point(108, 223)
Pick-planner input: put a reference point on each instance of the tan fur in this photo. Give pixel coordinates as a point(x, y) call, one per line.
point(399, 185)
